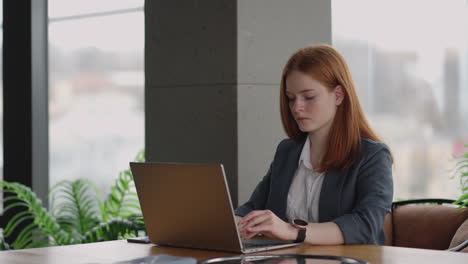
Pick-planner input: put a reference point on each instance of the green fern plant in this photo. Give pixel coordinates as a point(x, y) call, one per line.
point(461, 171)
point(76, 215)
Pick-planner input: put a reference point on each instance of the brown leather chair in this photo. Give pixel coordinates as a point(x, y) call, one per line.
point(430, 226)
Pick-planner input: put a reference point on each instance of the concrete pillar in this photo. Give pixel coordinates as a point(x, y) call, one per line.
point(212, 70)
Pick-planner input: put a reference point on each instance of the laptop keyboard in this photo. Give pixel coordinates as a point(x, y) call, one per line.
point(256, 243)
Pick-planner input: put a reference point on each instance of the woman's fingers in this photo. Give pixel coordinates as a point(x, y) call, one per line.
point(260, 218)
point(251, 215)
point(267, 223)
point(256, 222)
point(247, 235)
point(237, 219)
point(264, 227)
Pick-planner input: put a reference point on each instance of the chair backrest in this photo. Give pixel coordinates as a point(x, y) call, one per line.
point(428, 226)
point(388, 229)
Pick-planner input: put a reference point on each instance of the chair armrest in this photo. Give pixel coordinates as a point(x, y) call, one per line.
point(459, 247)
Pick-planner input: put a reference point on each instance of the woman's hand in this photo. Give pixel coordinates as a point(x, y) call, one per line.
point(266, 223)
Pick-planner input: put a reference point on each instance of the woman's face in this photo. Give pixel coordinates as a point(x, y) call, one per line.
point(311, 104)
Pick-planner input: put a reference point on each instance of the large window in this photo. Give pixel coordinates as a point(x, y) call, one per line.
point(96, 80)
point(409, 60)
point(1, 101)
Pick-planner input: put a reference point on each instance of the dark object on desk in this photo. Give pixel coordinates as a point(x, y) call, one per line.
point(284, 259)
point(142, 240)
point(160, 259)
point(428, 224)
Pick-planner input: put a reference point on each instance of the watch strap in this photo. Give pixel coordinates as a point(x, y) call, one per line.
point(301, 234)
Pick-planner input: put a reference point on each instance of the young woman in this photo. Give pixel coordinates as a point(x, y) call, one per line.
point(331, 181)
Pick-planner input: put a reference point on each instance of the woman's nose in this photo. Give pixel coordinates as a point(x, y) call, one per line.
point(297, 106)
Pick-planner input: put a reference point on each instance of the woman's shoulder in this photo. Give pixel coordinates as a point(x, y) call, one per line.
point(288, 148)
point(371, 147)
point(288, 144)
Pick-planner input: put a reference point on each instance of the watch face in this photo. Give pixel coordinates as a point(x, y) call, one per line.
point(300, 222)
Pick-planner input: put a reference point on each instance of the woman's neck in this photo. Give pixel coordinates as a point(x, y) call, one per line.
point(318, 141)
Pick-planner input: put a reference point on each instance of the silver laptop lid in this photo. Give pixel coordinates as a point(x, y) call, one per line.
point(186, 205)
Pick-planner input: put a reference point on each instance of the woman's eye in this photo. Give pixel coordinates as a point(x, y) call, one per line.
point(310, 97)
point(290, 99)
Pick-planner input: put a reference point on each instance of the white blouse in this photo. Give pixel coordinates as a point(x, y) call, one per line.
point(304, 193)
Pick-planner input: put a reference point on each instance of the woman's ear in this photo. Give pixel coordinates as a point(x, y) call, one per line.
point(339, 95)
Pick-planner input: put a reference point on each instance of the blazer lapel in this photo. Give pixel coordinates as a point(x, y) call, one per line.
point(330, 196)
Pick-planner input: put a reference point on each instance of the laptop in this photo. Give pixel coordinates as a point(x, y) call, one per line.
point(188, 205)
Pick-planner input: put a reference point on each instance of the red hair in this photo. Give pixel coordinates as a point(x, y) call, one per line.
point(326, 65)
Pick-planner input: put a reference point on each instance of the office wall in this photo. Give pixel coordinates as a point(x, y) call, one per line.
point(212, 72)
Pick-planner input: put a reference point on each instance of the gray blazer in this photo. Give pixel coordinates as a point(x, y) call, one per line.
point(357, 200)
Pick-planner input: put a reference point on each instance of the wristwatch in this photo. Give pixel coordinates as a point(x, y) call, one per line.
point(301, 227)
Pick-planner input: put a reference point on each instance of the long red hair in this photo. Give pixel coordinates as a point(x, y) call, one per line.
point(327, 65)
